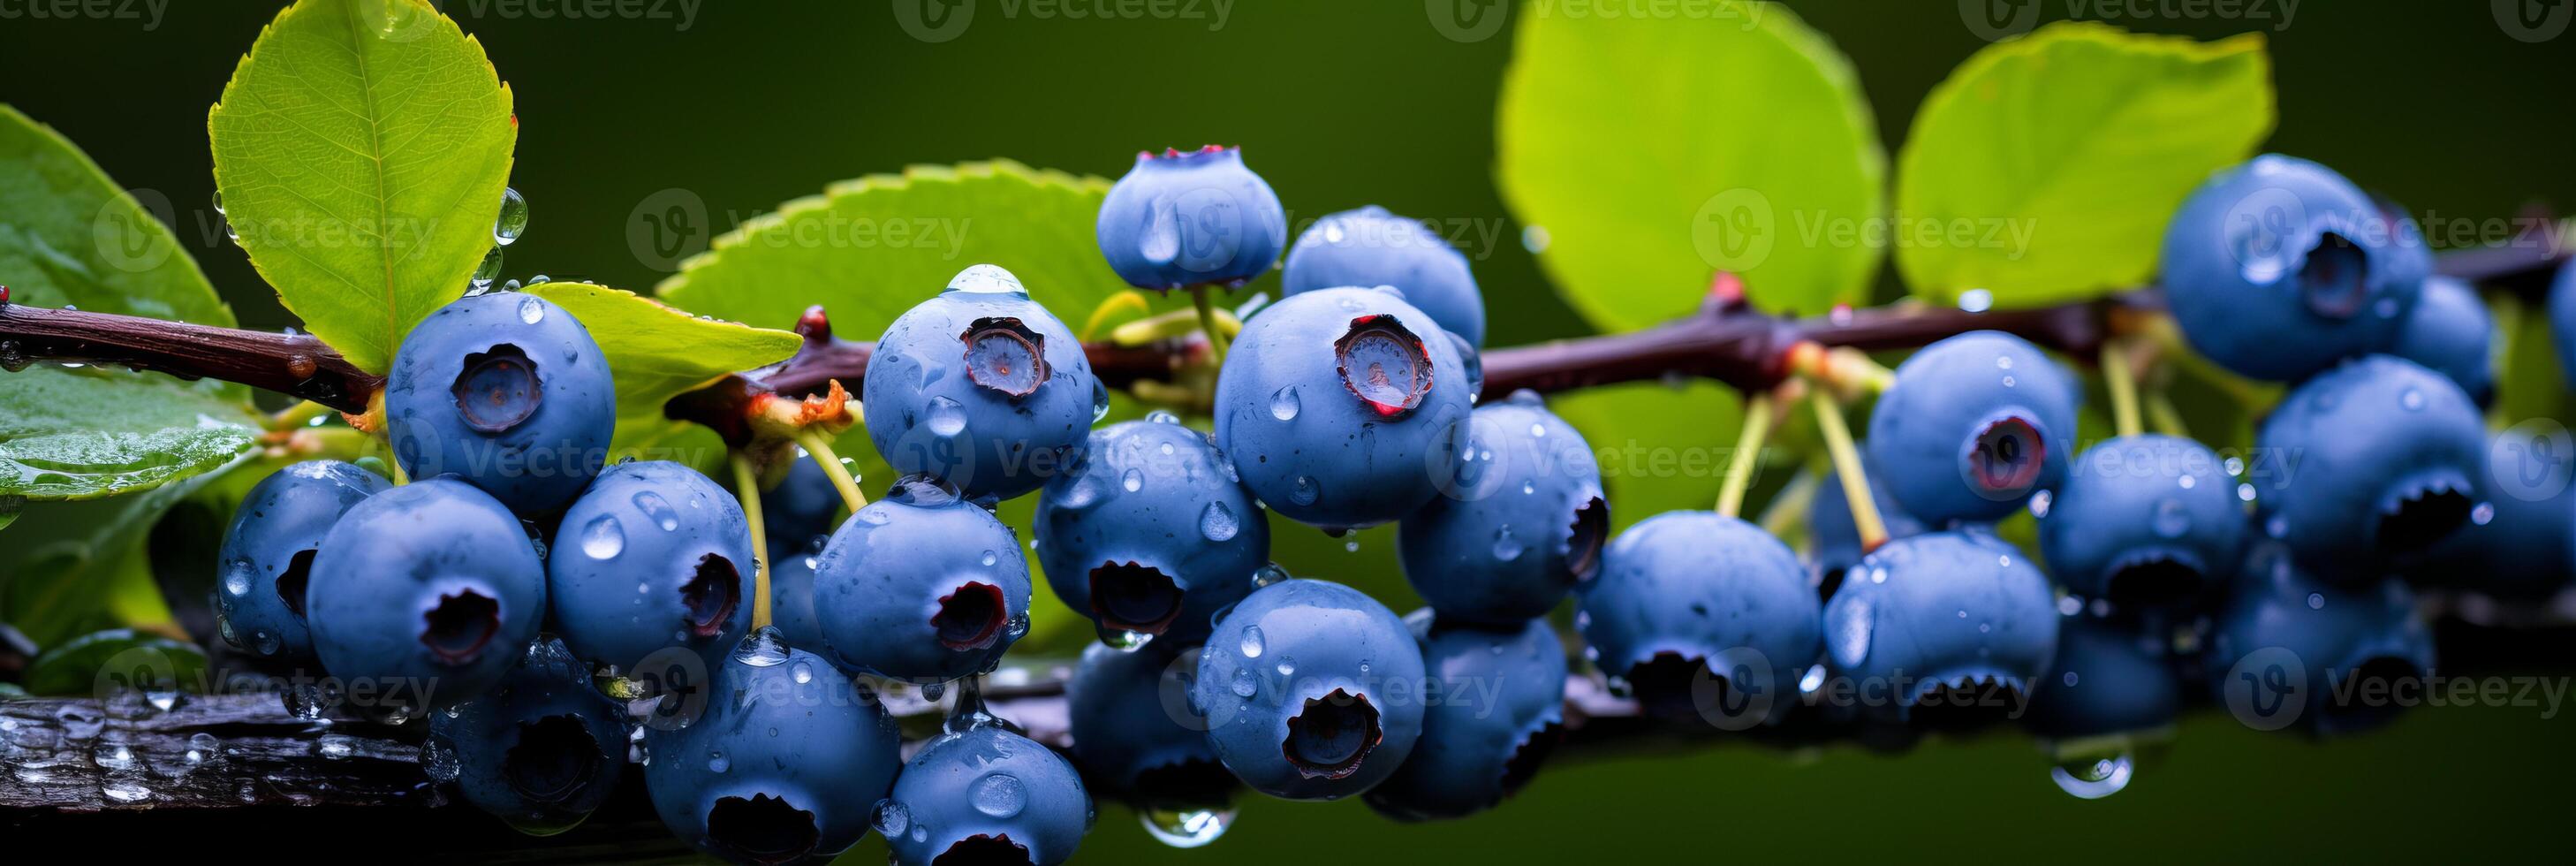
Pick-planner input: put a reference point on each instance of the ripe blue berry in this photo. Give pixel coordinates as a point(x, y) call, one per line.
point(2387, 457)
point(1341, 407)
point(1150, 534)
point(921, 585)
point(1494, 710)
point(1836, 539)
point(1135, 734)
point(508, 391)
point(2562, 319)
point(267, 554)
point(2290, 647)
point(2279, 268)
point(654, 555)
point(1947, 627)
point(2143, 522)
point(980, 386)
point(1972, 425)
point(2107, 678)
point(2526, 547)
point(428, 592)
point(1309, 691)
point(791, 598)
point(781, 765)
point(1186, 219)
point(2451, 333)
point(1514, 532)
point(541, 750)
point(1706, 616)
point(985, 795)
point(1371, 247)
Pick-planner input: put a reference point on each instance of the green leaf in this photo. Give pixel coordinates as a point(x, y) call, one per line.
point(63, 559)
point(361, 149)
point(1661, 448)
point(89, 433)
point(69, 236)
point(656, 352)
point(871, 248)
point(1651, 155)
point(2045, 168)
point(115, 657)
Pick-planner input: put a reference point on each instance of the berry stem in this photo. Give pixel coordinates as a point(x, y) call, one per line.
point(2123, 384)
point(1838, 442)
point(1207, 322)
point(298, 415)
point(2168, 420)
point(1128, 301)
point(1748, 450)
point(746, 484)
point(819, 447)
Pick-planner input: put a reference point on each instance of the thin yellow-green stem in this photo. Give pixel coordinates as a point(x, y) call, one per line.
point(299, 415)
point(2168, 420)
point(2123, 384)
point(1129, 301)
point(819, 447)
point(1207, 322)
point(1838, 442)
point(746, 484)
point(1748, 450)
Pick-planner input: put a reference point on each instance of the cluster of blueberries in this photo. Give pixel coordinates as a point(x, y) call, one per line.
point(520, 588)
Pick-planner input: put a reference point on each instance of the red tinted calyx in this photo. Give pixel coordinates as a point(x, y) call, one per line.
point(1384, 364)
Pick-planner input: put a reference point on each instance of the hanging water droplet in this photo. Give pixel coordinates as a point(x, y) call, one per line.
point(1976, 300)
point(892, 818)
point(219, 202)
point(603, 537)
point(2039, 503)
point(1133, 480)
point(1252, 642)
point(764, 648)
point(513, 219)
point(2093, 778)
point(1268, 574)
point(1284, 404)
point(1186, 829)
point(486, 272)
point(1123, 640)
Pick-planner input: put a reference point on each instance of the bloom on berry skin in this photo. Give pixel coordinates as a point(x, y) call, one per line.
point(1190, 219)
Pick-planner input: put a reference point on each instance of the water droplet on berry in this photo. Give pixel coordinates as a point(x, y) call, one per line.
point(2172, 519)
point(987, 280)
point(603, 537)
point(2093, 778)
point(2413, 400)
point(1252, 642)
point(1283, 403)
point(659, 510)
point(1133, 480)
point(1847, 631)
point(1976, 300)
point(1268, 574)
point(764, 648)
point(2039, 503)
point(1507, 547)
point(999, 795)
point(947, 417)
point(892, 818)
point(1218, 523)
point(2482, 514)
point(532, 310)
point(2316, 601)
point(1245, 684)
point(1287, 666)
point(718, 763)
point(1304, 490)
point(2245, 492)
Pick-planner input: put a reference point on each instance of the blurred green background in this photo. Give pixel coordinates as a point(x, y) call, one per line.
point(1347, 102)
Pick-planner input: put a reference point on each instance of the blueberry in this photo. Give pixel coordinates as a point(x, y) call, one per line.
point(980, 386)
point(1134, 733)
point(1186, 219)
point(2279, 268)
point(791, 597)
point(985, 795)
point(782, 764)
point(1946, 628)
point(654, 555)
point(2525, 549)
point(2451, 333)
point(268, 552)
point(1515, 531)
point(1371, 247)
point(1705, 616)
point(2562, 319)
point(921, 585)
point(2373, 462)
point(1309, 691)
point(1836, 539)
point(1972, 425)
point(2290, 648)
point(541, 750)
point(2143, 522)
point(2107, 679)
point(428, 592)
point(1150, 534)
point(1495, 709)
point(508, 391)
point(1342, 407)
point(804, 506)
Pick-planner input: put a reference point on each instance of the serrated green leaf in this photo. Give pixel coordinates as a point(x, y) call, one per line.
point(69, 236)
point(1652, 154)
point(2045, 168)
point(656, 352)
point(871, 248)
point(89, 433)
point(119, 657)
point(361, 149)
point(1661, 448)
